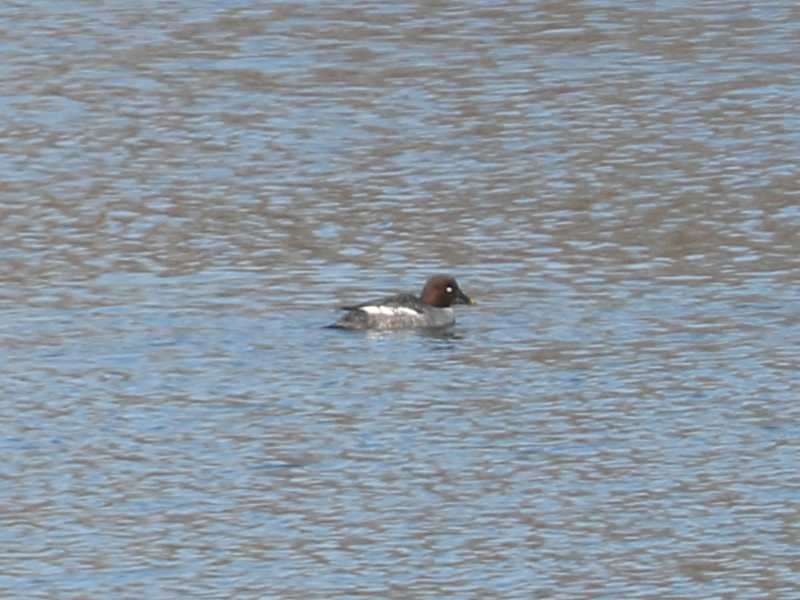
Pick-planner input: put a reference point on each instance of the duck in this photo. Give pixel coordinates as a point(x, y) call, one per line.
point(432, 308)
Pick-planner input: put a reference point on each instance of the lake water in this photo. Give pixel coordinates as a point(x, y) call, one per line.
point(188, 190)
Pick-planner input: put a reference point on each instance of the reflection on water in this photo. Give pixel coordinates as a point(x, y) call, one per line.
point(189, 192)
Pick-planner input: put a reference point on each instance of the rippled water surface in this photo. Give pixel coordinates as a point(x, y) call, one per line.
point(189, 189)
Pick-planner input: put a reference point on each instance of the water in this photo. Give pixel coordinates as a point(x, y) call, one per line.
point(190, 189)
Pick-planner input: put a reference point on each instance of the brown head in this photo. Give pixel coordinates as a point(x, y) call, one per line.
point(442, 291)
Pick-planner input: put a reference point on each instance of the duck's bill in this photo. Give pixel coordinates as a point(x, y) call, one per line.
point(462, 298)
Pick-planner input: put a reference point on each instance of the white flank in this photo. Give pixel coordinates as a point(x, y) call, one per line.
point(390, 311)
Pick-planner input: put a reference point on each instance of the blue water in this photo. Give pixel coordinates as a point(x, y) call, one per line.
point(189, 192)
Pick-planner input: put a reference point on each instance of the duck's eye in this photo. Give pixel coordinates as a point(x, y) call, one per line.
point(449, 289)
